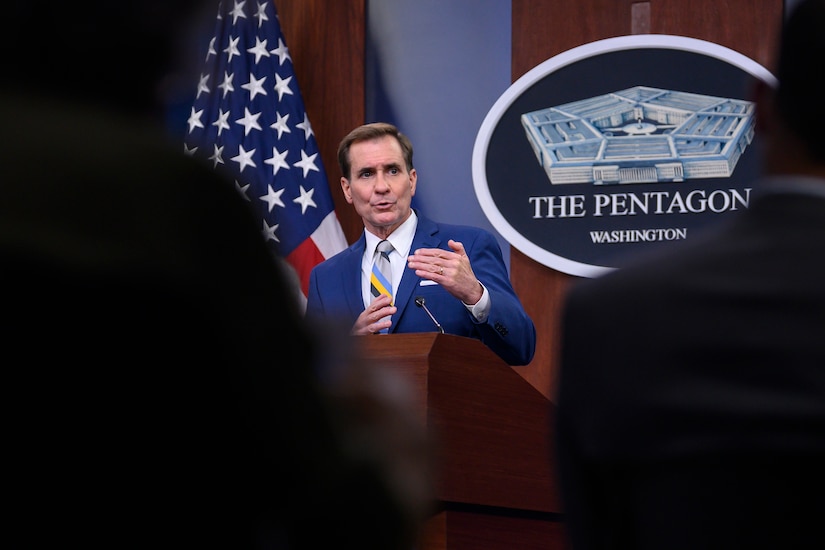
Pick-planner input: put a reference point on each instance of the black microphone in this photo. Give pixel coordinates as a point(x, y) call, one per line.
point(419, 301)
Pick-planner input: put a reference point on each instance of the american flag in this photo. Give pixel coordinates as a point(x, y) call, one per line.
point(248, 117)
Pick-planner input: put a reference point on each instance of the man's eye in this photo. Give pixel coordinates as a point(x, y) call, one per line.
point(394, 171)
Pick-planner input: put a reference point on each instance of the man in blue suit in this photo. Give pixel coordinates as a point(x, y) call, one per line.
point(454, 273)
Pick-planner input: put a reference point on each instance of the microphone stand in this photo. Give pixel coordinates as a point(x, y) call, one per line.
point(419, 301)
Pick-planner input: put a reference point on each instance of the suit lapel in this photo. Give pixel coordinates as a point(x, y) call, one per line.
point(351, 276)
point(426, 236)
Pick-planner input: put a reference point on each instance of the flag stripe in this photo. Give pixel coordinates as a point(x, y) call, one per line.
point(329, 236)
point(303, 259)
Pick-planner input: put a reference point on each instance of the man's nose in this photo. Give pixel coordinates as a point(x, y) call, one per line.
point(381, 181)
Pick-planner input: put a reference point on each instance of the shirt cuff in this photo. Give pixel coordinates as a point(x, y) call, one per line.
point(481, 310)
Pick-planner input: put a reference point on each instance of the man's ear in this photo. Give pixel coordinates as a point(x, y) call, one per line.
point(345, 187)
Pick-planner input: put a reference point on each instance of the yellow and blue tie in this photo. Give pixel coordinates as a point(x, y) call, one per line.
point(381, 278)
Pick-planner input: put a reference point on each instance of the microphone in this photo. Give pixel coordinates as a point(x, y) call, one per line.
point(419, 301)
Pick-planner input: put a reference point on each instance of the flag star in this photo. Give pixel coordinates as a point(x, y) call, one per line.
point(221, 121)
point(232, 49)
point(244, 158)
point(307, 163)
point(259, 50)
point(226, 85)
point(269, 232)
point(305, 200)
point(202, 87)
point(194, 120)
point(261, 13)
point(277, 160)
point(217, 156)
point(306, 127)
point(242, 189)
point(255, 86)
point(272, 197)
point(189, 152)
point(281, 51)
point(237, 11)
point(249, 121)
point(211, 51)
point(282, 86)
point(281, 125)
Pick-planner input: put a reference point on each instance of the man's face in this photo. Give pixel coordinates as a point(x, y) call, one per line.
point(380, 188)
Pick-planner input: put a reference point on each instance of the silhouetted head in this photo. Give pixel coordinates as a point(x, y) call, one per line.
point(122, 56)
point(799, 95)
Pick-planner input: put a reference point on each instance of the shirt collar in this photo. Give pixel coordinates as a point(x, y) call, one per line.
point(401, 239)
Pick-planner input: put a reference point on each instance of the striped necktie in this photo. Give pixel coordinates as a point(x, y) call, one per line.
point(381, 278)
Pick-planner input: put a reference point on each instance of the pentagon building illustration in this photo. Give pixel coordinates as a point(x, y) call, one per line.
point(640, 135)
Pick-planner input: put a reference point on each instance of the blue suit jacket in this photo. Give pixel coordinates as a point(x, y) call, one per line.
point(335, 293)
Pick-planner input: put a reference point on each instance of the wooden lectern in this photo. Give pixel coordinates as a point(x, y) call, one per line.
point(496, 487)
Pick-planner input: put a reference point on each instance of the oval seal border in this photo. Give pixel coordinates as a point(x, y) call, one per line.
point(481, 147)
